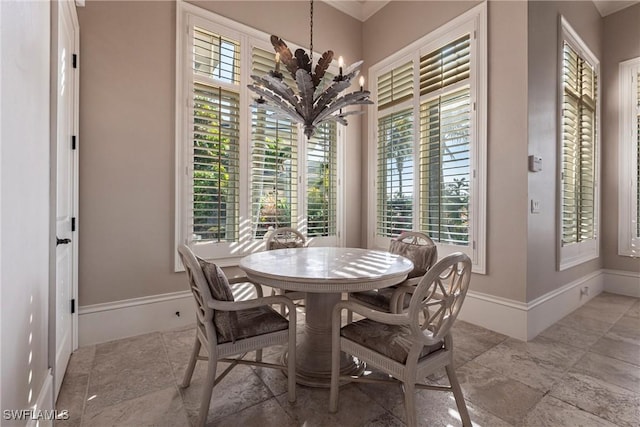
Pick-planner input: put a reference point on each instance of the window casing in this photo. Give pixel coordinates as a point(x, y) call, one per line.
point(429, 130)
point(579, 118)
point(629, 162)
point(239, 170)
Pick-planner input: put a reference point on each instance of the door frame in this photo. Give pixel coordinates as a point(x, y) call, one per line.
point(58, 7)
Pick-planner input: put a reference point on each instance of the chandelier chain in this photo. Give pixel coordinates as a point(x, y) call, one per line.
point(311, 32)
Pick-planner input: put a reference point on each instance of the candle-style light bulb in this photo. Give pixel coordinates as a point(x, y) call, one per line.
point(340, 64)
point(361, 83)
point(277, 62)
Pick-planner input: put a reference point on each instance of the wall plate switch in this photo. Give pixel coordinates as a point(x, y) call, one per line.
point(535, 163)
point(535, 206)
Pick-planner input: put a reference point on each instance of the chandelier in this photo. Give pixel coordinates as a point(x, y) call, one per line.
point(309, 106)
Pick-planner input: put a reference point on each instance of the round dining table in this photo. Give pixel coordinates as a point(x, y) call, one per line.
point(324, 273)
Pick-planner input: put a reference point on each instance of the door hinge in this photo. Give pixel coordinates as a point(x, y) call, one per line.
point(74, 60)
point(73, 305)
point(73, 224)
point(73, 142)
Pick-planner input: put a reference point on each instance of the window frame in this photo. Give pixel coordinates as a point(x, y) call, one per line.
point(577, 253)
point(628, 146)
point(229, 253)
point(473, 21)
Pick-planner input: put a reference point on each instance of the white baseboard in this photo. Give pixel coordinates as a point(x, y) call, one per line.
point(44, 402)
point(622, 282)
point(120, 319)
point(110, 321)
point(547, 309)
point(524, 321)
point(502, 315)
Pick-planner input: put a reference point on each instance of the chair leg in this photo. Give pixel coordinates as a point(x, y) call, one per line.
point(457, 393)
point(410, 403)
point(208, 390)
point(291, 365)
point(192, 363)
point(335, 373)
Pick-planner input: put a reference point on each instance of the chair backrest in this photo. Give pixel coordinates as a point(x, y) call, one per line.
point(419, 248)
point(285, 237)
point(198, 284)
point(437, 300)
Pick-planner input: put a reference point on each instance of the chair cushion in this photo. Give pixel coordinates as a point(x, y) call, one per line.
point(226, 322)
point(381, 298)
point(422, 256)
point(284, 245)
point(393, 341)
point(258, 321)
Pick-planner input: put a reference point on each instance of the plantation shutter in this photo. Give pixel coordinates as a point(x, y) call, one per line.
point(395, 151)
point(445, 142)
point(638, 155)
point(395, 87)
point(274, 160)
point(322, 181)
point(578, 147)
point(215, 138)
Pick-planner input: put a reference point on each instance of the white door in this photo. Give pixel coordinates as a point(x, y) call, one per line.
point(66, 176)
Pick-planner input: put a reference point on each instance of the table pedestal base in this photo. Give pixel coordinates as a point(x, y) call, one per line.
point(313, 350)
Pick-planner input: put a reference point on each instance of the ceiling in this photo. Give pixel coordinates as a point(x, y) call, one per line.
point(364, 9)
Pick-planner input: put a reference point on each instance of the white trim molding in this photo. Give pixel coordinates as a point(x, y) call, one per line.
point(524, 321)
point(44, 403)
point(622, 282)
point(121, 319)
point(629, 110)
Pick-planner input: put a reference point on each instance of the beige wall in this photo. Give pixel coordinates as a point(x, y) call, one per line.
point(621, 42)
point(27, 239)
point(127, 125)
point(542, 274)
point(127, 59)
point(507, 123)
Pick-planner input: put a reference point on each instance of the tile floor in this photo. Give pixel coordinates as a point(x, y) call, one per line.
point(582, 371)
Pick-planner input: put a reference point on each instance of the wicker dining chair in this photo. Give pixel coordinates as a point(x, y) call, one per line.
point(283, 238)
point(408, 346)
point(422, 251)
point(226, 328)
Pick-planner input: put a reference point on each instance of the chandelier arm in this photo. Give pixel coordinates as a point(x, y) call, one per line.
point(277, 86)
point(281, 104)
point(353, 67)
point(329, 94)
point(305, 91)
point(354, 98)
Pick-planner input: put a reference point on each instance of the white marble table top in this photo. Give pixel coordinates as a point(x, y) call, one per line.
point(326, 269)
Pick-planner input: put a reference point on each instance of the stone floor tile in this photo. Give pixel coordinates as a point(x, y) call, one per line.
point(470, 340)
point(551, 412)
point(437, 408)
point(626, 329)
point(160, 408)
point(609, 370)
point(71, 398)
point(267, 413)
point(240, 389)
point(81, 361)
point(634, 311)
point(126, 369)
point(311, 408)
point(581, 322)
point(621, 350)
point(568, 335)
point(615, 404)
point(506, 398)
point(537, 363)
point(608, 314)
